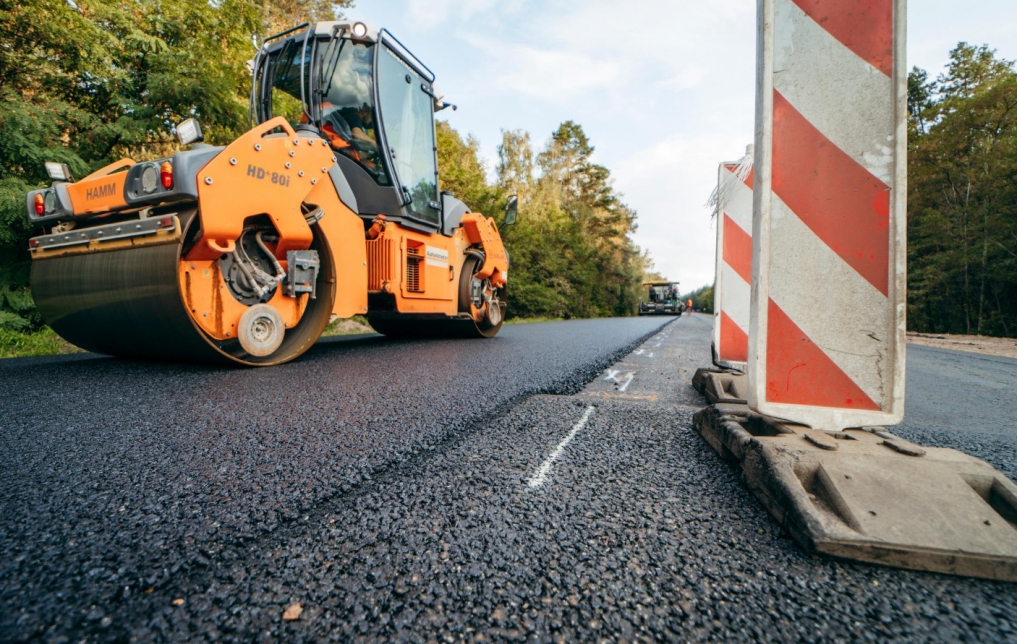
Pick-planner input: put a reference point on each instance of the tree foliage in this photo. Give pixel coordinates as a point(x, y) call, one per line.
point(702, 298)
point(86, 82)
point(962, 196)
point(571, 254)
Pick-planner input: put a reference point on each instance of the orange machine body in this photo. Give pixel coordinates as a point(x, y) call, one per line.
point(273, 175)
point(245, 252)
point(100, 192)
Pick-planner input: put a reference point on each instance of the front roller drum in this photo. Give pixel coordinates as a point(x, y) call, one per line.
point(129, 303)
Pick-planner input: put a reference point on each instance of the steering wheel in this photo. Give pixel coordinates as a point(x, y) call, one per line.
point(370, 158)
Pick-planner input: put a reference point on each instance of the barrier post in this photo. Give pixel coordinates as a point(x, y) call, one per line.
point(827, 327)
point(731, 286)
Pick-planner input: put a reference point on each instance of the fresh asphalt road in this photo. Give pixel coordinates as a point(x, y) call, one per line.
point(545, 485)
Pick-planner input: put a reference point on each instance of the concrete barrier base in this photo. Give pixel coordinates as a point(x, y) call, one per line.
point(868, 495)
point(727, 386)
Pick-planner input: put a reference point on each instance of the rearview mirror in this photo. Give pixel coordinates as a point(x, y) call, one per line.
point(511, 210)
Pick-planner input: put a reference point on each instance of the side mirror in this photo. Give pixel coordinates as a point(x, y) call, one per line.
point(189, 131)
point(511, 210)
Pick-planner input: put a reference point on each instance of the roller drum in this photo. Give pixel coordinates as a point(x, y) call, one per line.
point(128, 303)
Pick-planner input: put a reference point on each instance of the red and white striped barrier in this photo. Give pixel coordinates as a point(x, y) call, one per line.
point(827, 326)
point(731, 286)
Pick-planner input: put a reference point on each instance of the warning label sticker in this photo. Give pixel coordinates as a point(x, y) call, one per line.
point(436, 256)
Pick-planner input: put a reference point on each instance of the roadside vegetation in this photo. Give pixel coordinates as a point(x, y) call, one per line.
point(88, 82)
point(962, 196)
point(702, 298)
point(39, 342)
point(570, 252)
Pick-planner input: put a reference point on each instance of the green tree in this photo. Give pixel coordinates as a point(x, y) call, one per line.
point(702, 298)
point(90, 81)
point(463, 173)
point(571, 251)
point(962, 196)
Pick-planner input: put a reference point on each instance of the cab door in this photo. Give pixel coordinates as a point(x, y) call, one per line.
point(406, 110)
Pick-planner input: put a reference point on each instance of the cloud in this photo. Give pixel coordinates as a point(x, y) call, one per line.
point(544, 73)
point(431, 13)
point(668, 184)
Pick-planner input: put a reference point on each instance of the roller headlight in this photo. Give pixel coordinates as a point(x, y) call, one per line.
point(149, 178)
point(359, 30)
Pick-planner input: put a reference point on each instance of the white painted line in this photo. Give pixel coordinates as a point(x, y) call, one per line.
point(628, 380)
point(540, 477)
point(649, 355)
point(612, 375)
point(639, 353)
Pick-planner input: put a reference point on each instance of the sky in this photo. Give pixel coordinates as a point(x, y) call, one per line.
point(663, 88)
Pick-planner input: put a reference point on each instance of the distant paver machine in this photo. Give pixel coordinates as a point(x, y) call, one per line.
point(661, 297)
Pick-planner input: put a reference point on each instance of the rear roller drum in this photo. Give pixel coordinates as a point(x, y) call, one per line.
point(484, 303)
point(478, 299)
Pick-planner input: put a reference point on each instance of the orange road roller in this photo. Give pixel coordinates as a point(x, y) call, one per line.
point(328, 207)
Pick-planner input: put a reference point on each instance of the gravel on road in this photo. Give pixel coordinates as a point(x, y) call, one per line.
point(401, 509)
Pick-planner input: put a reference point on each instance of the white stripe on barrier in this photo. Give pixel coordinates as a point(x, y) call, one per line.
point(737, 203)
point(737, 295)
point(808, 268)
point(857, 115)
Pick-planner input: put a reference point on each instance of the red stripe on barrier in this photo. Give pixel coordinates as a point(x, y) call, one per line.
point(839, 200)
point(863, 26)
point(799, 373)
point(734, 343)
point(738, 249)
point(748, 178)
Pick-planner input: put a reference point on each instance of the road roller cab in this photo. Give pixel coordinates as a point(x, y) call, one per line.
point(328, 207)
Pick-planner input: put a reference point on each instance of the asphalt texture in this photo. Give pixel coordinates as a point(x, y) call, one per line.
point(546, 486)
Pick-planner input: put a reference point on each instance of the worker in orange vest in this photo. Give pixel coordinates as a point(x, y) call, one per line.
point(689, 309)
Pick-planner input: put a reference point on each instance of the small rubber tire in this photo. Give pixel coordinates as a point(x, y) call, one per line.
point(261, 330)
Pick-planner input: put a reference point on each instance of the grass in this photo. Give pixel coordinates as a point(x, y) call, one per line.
point(44, 342)
point(357, 325)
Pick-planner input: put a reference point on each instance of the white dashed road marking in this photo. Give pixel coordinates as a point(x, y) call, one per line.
point(540, 477)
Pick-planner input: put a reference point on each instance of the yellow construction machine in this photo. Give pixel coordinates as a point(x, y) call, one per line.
point(328, 207)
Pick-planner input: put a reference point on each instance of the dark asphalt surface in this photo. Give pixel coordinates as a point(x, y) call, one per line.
point(385, 487)
point(966, 401)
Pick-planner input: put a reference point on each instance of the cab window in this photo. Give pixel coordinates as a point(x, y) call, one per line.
point(407, 112)
point(282, 74)
point(348, 117)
